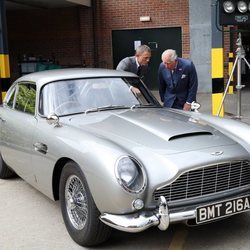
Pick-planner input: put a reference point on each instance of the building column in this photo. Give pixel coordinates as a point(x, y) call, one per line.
point(231, 62)
point(4, 56)
point(217, 62)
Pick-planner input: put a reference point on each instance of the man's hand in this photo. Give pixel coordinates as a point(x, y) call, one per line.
point(187, 107)
point(135, 91)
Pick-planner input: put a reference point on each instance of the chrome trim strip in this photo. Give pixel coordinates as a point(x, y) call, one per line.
point(182, 216)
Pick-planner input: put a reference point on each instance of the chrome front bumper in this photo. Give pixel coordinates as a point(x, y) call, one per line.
point(138, 222)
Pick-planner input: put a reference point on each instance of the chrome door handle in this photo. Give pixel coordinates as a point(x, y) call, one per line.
point(40, 147)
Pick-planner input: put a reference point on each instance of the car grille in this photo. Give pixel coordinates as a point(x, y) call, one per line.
point(207, 180)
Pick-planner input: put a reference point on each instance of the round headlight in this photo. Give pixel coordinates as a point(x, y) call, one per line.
point(228, 6)
point(130, 174)
point(242, 6)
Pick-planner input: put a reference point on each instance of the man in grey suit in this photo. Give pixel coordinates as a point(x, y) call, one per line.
point(137, 64)
point(178, 81)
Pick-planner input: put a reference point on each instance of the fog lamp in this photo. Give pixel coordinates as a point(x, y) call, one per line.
point(138, 204)
point(228, 6)
point(242, 6)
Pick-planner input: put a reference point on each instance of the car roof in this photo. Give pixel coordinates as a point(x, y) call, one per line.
point(43, 77)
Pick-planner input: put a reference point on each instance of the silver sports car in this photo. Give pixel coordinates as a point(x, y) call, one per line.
point(115, 158)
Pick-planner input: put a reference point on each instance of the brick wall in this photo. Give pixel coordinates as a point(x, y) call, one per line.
point(120, 14)
point(82, 35)
point(44, 33)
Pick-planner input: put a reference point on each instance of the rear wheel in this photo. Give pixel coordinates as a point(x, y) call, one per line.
point(79, 211)
point(5, 171)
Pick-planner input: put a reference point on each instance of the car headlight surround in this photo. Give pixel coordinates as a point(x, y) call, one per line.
point(130, 174)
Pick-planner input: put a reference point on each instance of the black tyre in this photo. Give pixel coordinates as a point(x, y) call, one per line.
point(5, 171)
point(79, 211)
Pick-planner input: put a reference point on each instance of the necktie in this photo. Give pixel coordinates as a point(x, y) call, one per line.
point(139, 71)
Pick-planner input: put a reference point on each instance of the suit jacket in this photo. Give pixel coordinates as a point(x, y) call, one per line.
point(129, 64)
point(179, 87)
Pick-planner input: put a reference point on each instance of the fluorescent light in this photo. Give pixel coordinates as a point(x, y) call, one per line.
point(145, 18)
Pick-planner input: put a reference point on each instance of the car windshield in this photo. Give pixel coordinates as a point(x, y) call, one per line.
point(84, 95)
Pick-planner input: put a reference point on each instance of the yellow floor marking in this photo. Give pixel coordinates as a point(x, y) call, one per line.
point(178, 240)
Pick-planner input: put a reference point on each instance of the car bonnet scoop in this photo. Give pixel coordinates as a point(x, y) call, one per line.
point(185, 135)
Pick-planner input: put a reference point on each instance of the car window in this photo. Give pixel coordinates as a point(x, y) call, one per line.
point(79, 95)
point(25, 98)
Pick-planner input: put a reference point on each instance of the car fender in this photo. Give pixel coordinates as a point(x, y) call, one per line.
point(236, 130)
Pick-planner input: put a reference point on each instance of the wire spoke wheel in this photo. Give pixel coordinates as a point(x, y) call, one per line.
point(76, 202)
point(79, 211)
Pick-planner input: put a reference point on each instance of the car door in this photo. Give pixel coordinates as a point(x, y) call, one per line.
point(17, 125)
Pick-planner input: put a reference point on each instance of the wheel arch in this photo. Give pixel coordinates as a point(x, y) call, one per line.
point(57, 175)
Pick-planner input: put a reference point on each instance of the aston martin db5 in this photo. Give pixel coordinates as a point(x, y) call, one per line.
point(119, 160)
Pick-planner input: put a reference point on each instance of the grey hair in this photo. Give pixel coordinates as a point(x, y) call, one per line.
point(171, 53)
point(141, 49)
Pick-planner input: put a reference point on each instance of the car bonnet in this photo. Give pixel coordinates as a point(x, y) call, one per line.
point(158, 129)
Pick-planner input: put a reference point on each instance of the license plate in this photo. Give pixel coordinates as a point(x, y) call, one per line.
point(222, 209)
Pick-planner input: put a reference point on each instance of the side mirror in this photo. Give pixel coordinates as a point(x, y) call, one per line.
point(53, 119)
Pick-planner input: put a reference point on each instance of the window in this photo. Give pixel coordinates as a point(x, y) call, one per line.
point(80, 95)
point(25, 98)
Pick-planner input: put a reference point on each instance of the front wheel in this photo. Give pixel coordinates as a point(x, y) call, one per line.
point(79, 211)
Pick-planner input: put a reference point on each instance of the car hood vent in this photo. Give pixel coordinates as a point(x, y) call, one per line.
point(180, 136)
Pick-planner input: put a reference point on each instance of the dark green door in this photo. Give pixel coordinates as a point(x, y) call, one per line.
point(158, 39)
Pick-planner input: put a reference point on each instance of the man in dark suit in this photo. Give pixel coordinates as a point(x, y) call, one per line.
point(138, 63)
point(178, 81)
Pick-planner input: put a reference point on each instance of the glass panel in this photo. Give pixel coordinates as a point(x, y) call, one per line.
point(75, 96)
point(26, 97)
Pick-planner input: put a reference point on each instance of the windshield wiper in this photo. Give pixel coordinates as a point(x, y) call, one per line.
point(108, 107)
